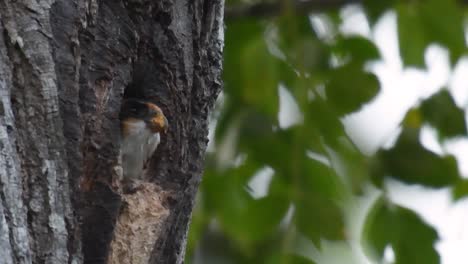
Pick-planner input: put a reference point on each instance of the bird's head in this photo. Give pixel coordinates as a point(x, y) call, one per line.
point(148, 112)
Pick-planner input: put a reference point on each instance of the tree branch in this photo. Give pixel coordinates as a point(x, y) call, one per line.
point(263, 9)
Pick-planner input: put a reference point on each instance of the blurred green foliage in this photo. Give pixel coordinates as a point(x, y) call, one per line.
point(313, 168)
point(411, 239)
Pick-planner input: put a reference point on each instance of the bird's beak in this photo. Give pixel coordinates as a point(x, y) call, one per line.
point(159, 124)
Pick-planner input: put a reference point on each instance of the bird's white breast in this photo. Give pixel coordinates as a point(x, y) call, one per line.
point(137, 147)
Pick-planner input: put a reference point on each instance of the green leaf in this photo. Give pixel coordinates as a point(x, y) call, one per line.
point(421, 23)
point(299, 43)
point(317, 213)
point(265, 144)
point(238, 35)
point(413, 40)
point(308, 54)
point(292, 28)
point(224, 192)
point(319, 218)
point(411, 238)
point(410, 162)
point(354, 165)
point(322, 120)
point(241, 32)
point(244, 218)
point(357, 49)
point(377, 233)
point(349, 88)
point(318, 179)
point(259, 77)
point(374, 9)
point(250, 71)
point(460, 190)
point(441, 112)
point(262, 217)
point(413, 119)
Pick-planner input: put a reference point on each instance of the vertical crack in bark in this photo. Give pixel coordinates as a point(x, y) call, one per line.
point(14, 240)
point(207, 24)
point(65, 18)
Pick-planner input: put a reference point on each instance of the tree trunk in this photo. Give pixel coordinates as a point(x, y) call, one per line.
point(65, 66)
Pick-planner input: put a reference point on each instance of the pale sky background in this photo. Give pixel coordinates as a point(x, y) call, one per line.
point(377, 125)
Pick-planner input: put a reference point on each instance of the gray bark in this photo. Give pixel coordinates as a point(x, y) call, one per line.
point(65, 66)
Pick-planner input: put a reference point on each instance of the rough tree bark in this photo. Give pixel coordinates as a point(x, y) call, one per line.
point(65, 66)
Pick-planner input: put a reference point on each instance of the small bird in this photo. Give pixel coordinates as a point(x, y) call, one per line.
point(141, 125)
